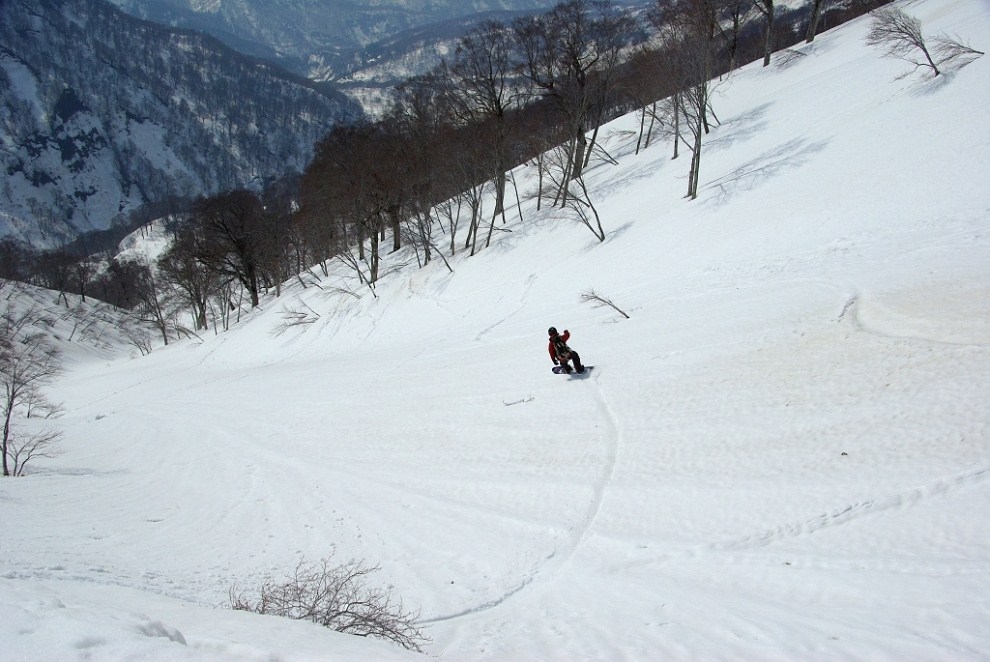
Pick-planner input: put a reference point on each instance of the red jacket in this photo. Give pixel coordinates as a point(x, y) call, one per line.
point(553, 350)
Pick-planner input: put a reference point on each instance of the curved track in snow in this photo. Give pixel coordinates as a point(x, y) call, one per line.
point(555, 563)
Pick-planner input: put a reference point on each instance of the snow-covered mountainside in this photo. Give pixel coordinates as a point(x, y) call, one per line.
point(103, 113)
point(783, 452)
point(366, 48)
point(295, 30)
point(369, 74)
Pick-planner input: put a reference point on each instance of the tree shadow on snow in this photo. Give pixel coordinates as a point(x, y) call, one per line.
point(931, 84)
point(791, 154)
point(71, 471)
point(790, 57)
point(739, 128)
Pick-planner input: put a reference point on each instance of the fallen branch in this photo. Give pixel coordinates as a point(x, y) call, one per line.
point(599, 301)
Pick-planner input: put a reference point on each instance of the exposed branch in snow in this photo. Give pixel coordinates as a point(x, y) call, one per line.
point(598, 301)
point(518, 402)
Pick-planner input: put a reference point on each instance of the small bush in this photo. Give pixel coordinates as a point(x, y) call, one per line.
point(336, 596)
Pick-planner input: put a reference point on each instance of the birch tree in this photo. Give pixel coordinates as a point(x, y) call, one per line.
point(28, 363)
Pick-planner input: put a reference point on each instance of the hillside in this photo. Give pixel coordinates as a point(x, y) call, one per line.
point(103, 113)
point(781, 454)
point(294, 32)
point(364, 49)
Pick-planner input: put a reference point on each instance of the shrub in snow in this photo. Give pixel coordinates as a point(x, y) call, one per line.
point(335, 596)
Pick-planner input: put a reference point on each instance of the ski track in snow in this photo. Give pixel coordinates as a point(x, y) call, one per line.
point(836, 517)
point(613, 441)
point(529, 281)
point(556, 563)
point(852, 313)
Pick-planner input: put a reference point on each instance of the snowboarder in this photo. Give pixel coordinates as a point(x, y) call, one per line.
point(561, 353)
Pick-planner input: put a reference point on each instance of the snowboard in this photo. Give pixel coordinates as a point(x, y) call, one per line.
point(559, 370)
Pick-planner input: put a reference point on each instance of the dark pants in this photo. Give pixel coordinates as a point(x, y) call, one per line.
point(573, 356)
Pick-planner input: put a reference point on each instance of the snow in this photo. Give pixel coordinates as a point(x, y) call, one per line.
point(145, 245)
point(23, 84)
point(784, 452)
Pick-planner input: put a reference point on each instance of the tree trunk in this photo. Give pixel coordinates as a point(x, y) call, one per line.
point(373, 249)
point(252, 284)
point(591, 146)
point(580, 146)
point(653, 121)
point(700, 101)
point(539, 180)
point(931, 62)
point(6, 434)
point(200, 316)
point(360, 239)
point(768, 42)
point(816, 13)
point(642, 129)
point(393, 217)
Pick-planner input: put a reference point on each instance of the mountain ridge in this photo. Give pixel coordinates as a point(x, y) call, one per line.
point(105, 113)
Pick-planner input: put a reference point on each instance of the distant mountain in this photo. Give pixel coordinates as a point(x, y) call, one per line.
point(366, 48)
point(101, 113)
point(369, 74)
point(294, 31)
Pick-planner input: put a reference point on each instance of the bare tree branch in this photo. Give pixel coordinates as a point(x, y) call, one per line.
point(28, 362)
point(599, 301)
point(900, 35)
point(336, 597)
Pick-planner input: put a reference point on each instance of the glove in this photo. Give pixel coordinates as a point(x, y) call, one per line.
point(555, 362)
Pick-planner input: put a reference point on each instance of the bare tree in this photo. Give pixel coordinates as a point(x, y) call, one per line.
point(336, 597)
point(181, 268)
point(901, 37)
point(234, 238)
point(560, 53)
point(948, 50)
point(900, 34)
point(613, 30)
point(16, 259)
point(580, 202)
point(155, 305)
point(735, 15)
point(22, 448)
point(481, 71)
point(83, 271)
point(28, 362)
point(353, 190)
point(689, 29)
point(419, 123)
point(295, 317)
point(654, 79)
point(116, 285)
point(54, 270)
point(643, 89)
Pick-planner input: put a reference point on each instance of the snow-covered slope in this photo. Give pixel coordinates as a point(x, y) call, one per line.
point(293, 31)
point(784, 452)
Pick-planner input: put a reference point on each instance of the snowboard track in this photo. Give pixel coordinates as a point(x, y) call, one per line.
point(852, 314)
point(835, 517)
point(554, 564)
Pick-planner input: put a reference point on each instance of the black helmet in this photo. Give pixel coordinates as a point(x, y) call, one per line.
point(552, 331)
